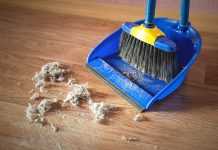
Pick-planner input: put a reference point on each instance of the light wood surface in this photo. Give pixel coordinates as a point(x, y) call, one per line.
point(33, 33)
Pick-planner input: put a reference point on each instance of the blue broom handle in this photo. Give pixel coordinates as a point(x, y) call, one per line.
point(184, 13)
point(150, 12)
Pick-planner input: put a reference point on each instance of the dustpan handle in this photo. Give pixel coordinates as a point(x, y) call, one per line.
point(184, 14)
point(150, 12)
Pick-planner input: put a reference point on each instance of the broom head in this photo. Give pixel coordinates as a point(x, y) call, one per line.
point(149, 50)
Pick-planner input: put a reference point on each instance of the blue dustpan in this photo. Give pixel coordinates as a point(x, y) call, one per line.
point(143, 90)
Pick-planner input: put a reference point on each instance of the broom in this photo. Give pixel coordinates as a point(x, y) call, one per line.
point(146, 48)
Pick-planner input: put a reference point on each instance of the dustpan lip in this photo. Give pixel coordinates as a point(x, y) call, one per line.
point(116, 89)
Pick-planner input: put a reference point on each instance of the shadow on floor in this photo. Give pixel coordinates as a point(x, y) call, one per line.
point(188, 97)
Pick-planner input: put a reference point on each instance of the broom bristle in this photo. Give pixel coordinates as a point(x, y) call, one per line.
point(148, 59)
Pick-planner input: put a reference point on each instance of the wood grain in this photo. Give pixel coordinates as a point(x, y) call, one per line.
point(33, 33)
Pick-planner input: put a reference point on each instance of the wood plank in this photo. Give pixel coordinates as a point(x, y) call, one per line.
point(211, 75)
point(114, 12)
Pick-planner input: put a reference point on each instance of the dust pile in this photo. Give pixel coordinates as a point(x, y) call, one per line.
point(138, 118)
point(34, 96)
point(35, 113)
point(100, 111)
point(52, 72)
point(49, 72)
point(71, 81)
point(54, 128)
point(79, 93)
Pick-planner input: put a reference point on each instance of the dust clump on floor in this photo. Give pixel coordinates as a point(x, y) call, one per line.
point(39, 83)
point(100, 111)
point(49, 72)
point(46, 105)
point(42, 89)
point(138, 118)
point(52, 72)
point(80, 92)
point(35, 113)
point(32, 112)
point(71, 81)
point(34, 96)
point(54, 128)
point(128, 138)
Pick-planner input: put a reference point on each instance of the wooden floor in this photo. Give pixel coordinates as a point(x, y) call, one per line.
point(33, 33)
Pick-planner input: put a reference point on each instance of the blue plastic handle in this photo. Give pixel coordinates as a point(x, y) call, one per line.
point(184, 13)
point(150, 12)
